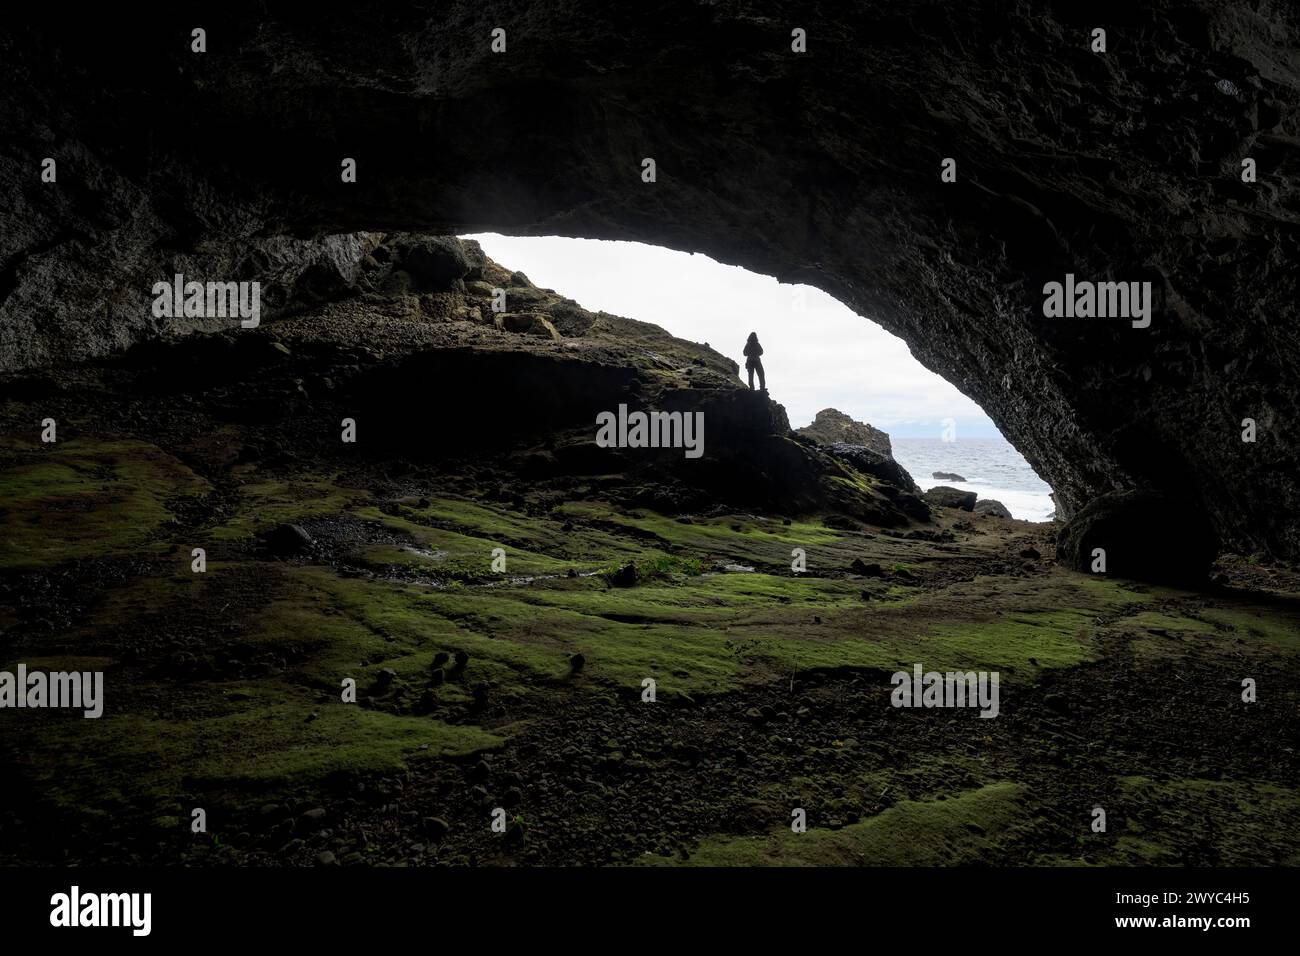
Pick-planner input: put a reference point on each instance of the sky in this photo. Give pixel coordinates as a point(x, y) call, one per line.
point(825, 356)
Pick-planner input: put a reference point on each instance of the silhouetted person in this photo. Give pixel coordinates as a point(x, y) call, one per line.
point(753, 363)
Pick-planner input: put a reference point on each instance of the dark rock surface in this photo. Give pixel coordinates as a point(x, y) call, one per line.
point(624, 577)
point(874, 463)
point(831, 427)
point(945, 497)
point(1123, 166)
point(947, 476)
point(435, 261)
point(1143, 536)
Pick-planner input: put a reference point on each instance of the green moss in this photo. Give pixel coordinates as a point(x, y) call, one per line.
point(1052, 638)
point(703, 634)
point(856, 483)
point(467, 555)
point(256, 736)
point(1247, 823)
point(1112, 592)
point(87, 498)
point(707, 598)
point(336, 623)
point(666, 566)
point(1175, 630)
point(1274, 626)
point(913, 833)
point(761, 540)
point(686, 635)
point(266, 503)
point(1168, 626)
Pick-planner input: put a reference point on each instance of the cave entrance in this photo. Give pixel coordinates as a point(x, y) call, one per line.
point(818, 354)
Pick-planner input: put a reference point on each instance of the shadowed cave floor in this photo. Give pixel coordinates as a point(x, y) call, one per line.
point(222, 688)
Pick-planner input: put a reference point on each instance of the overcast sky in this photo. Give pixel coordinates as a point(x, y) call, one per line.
point(823, 357)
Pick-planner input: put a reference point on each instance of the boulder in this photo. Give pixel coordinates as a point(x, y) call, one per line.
point(433, 262)
point(527, 323)
point(946, 476)
point(989, 506)
point(945, 497)
point(1144, 535)
point(625, 577)
point(313, 819)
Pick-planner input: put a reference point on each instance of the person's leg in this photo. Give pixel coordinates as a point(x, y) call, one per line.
point(750, 369)
point(762, 379)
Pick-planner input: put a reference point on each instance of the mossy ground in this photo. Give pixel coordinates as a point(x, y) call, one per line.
point(950, 832)
point(84, 498)
point(223, 688)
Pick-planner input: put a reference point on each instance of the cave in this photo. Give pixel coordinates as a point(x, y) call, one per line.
point(951, 171)
point(821, 167)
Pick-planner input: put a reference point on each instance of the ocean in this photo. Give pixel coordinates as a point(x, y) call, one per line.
point(991, 466)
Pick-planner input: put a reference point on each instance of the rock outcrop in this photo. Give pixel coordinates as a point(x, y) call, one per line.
point(438, 376)
point(833, 427)
point(820, 167)
point(863, 447)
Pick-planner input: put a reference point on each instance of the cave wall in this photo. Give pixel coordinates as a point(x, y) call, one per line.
point(819, 167)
